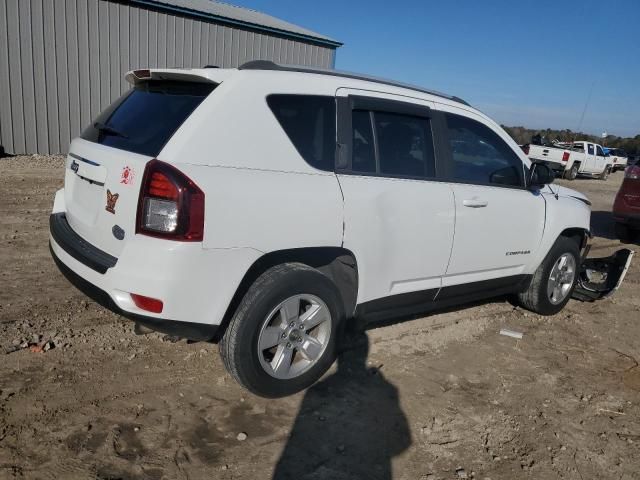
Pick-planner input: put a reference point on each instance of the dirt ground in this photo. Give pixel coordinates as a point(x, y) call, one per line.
point(441, 397)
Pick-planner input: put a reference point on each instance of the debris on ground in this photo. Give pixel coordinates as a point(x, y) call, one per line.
point(511, 333)
point(242, 436)
point(41, 347)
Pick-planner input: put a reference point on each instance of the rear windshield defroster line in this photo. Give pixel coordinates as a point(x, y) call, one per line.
point(144, 118)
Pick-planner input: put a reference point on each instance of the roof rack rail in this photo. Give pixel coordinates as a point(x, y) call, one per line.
point(269, 65)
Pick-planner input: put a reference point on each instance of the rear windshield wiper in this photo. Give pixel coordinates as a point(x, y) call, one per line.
point(109, 130)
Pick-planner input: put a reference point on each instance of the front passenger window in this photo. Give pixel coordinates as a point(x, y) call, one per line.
point(480, 156)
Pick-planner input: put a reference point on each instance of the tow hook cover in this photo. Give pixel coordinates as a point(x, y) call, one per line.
point(600, 277)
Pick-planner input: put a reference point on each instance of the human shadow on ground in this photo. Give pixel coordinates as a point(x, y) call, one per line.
point(350, 425)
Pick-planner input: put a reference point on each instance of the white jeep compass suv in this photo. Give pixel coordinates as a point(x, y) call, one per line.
point(267, 206)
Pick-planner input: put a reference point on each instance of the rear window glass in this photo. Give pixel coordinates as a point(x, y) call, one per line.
point(310, 123)
point(144, 119)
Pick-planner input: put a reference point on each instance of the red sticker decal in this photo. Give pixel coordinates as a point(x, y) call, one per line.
point(127, 175)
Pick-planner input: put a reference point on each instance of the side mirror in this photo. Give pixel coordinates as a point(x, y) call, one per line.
point(540, 174)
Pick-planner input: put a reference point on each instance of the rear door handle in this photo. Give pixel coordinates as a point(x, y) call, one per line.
point(475, 203)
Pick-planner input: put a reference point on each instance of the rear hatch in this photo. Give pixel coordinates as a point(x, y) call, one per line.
point(105, 166)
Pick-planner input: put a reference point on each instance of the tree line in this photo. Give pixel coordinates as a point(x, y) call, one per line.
point(523, 135)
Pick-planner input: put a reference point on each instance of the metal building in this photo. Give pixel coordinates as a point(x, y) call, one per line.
point(63, 61)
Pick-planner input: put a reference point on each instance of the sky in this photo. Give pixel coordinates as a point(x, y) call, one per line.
point(537, 64)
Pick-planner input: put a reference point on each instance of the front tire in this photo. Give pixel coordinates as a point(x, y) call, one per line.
point(283, 335)
point(554, 280)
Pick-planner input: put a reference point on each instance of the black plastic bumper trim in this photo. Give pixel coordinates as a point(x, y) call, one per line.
point(631, 220)
point(193, 331)
point(78, 247)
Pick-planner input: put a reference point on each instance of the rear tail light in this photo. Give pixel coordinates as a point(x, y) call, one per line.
point(632, 172)
point(565, 157)
point(170, 205)
point(525, 149)
point(147, 303)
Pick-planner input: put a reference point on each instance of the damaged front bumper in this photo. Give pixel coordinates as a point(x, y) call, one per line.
point(600, 277)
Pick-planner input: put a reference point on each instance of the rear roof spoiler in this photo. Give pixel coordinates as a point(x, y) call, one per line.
point(209, 75)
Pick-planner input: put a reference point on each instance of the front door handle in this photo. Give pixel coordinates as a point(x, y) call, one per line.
point(475, 203)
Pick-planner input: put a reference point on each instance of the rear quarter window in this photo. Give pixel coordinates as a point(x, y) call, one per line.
point(310, 123)
point(146, 117)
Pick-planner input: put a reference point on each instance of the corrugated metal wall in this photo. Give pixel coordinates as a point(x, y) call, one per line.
point(63, 61)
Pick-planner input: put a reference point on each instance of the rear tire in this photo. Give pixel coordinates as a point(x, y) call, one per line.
point(539, 296)
point(605, 174)
point(274, 311)
point(573, 172)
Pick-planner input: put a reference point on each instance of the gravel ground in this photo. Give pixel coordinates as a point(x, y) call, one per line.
point(440, 397)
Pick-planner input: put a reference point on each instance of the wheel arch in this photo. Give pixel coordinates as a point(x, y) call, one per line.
point(337, 263)
point(578, 234)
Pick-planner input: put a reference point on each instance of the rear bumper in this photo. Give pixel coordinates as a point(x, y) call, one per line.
point(195, 284)
point(190, 330)
point(77, 247)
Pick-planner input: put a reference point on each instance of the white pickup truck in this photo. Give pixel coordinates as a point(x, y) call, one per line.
point(570, 159)
point(618, 158)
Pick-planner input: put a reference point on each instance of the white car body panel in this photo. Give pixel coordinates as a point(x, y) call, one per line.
point(400, 231)
point(300, 210)
point(495, 240)
point(562, 204)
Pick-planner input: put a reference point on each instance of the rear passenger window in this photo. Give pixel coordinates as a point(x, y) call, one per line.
point(480, 155)
point(590, 148)
point(310, 123)
point(401, 147)
point(404, 145)
point(600, 151)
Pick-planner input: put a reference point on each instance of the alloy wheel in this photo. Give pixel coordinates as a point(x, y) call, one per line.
point(294, 336)
point(561, 278)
